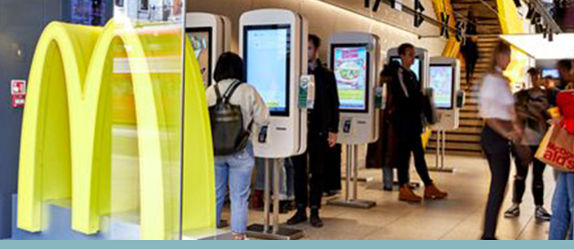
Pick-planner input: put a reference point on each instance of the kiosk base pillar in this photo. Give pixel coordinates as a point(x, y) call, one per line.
point(352, 203)
point(257, 231)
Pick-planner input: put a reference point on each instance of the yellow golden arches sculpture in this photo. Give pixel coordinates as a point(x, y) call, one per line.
point(66, 133)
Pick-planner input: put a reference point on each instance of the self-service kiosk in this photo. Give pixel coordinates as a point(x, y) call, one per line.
point(444, 79)
point(210, 36)
point(354, 59)
point(273, 43)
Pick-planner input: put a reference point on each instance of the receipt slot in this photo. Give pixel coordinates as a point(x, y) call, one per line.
point(444, 79)
point(354, 59)
point(209, 36)
point(273, 43)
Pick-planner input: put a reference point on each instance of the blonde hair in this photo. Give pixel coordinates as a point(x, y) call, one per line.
point(501, 48)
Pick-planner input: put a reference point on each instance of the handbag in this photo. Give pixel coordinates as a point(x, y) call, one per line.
point(557, 149)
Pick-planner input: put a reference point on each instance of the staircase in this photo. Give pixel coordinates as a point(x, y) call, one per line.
point(465, 140)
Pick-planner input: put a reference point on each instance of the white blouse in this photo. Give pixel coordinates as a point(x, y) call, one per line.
point(496, 99)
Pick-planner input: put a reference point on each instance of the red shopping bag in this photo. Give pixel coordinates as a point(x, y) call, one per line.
point(557, 149)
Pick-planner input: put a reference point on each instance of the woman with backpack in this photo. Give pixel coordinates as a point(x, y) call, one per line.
point(236, 109)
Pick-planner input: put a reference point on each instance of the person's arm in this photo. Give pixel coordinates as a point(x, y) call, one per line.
point(334, 103)
point(504, 128)
point(258, 109)
point(334, 109)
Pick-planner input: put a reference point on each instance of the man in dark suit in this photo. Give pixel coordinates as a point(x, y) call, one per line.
point(323, 125)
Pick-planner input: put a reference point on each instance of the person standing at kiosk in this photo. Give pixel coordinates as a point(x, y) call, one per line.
point(230, 96)
point(323, 126)
point(408, 125)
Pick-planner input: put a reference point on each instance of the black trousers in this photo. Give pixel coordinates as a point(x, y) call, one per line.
point(310, 172)
point(537, 179)
point(333, 169)
point(407, 143)
point(497, 150)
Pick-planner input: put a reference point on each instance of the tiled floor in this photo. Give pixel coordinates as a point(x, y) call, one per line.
point(458, 217)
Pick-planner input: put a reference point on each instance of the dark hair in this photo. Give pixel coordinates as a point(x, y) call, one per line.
point(501, 48)
point(229, 66)
point(564, 64)
point(533, 72)
point(403, 48)
point(315, 40)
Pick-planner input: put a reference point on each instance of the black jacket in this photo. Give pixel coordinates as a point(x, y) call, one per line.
point(408, 108)
point(325, 114)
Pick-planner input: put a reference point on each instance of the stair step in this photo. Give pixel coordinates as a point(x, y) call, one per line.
point(467, 146)
point(465, 153)
point(458, 138)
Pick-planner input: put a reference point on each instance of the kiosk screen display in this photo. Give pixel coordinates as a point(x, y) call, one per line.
point(200, 39)
point(266, 53)
point(350, 65)
point(442, 83)
point(416, 67)
point(552, 72)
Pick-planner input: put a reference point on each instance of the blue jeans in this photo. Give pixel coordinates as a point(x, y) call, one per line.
point(235, 171)
point(388, 177)
point(562, 208)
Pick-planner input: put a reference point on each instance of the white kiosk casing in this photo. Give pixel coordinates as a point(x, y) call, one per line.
point(277, 39)
point(445, 81)
point(354, 58)
point(210, 36)
point(420, 67)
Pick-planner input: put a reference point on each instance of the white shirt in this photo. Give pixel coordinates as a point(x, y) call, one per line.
point(495, 98)
point(245, 96)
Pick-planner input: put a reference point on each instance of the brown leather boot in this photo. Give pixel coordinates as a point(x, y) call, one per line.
point(433, 193)
point(407, 194)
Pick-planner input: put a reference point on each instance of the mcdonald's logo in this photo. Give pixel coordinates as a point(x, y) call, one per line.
point(67, 132)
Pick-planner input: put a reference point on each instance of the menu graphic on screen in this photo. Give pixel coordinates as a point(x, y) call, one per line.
point(350, 68)
point(201, 42)
point(441, 81)
point(267, 60)
point(416, 67)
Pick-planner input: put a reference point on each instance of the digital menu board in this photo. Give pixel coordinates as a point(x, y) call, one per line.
point(350, 65)
point(266, 51)
point(442, 83)
point(416, 67)
point(200, 39)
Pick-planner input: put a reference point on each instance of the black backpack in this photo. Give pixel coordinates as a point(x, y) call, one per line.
point(229, 136)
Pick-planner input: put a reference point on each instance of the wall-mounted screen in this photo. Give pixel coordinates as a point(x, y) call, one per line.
point(551, 72)
point(266, 51)
point(200, 39)
point(442, 82)
point(416, 67)
point(350, 65)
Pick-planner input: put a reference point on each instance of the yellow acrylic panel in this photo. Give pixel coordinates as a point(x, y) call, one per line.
point(66, 140)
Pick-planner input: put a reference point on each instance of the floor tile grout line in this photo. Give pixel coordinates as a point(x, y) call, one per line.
point(477, 210)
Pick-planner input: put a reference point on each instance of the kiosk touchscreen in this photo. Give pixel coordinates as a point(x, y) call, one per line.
point(444, 79)
point(273, 44)
point(420, 65)
point(209, 36)
point(353, 58)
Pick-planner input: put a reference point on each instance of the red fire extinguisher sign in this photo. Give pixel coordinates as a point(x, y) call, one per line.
point(18, 90)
